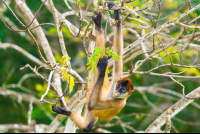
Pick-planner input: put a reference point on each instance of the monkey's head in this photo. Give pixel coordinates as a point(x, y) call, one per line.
point(124, 88)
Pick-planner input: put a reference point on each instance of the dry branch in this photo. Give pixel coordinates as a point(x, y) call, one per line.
point(176, 108)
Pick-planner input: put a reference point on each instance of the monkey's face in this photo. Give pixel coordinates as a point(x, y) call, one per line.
point(124, 88)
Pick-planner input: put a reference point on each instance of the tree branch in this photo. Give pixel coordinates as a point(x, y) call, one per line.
point(176, 108)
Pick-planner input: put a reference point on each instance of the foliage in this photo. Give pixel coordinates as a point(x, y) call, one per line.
point(99, 54)
point(65, 75)
point(14, 110)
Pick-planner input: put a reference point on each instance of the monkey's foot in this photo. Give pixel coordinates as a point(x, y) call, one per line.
point(110, 5)
point(97, 21)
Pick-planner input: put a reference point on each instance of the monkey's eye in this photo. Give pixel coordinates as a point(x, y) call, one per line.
point(123, 90)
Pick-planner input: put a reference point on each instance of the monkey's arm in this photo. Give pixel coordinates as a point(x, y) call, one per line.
point(118, 46)
point(118, 49)
point(98, 84)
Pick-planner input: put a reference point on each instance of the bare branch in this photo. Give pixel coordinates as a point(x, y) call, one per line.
point(165, 25)
point(49, 83)
point(168, 121)
point(30, 111)
point(176, 108)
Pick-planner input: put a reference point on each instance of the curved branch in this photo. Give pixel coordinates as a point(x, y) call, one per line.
point(176, 108)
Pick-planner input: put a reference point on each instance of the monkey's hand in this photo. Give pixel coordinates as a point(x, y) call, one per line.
point(60, 110)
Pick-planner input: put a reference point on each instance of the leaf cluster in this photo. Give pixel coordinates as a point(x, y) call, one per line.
point(92, 64)
point(65, 75)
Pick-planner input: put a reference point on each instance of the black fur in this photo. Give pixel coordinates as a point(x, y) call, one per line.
point(122, 85)
point(102, 64)
point(60, 110)
point(97, 21)
point(89, 126)
point(116, 12)
point(117, 17)
point(110, 5)
point(90, 106)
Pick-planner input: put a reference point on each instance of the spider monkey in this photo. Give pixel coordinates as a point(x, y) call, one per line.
point(105, 99)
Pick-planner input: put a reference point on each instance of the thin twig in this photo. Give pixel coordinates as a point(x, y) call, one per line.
point(49, 83)
point(36, 14)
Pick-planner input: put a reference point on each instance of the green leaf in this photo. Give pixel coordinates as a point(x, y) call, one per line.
point(64, 60)
point(95, 58)
point(108, 52)
point(98, 50)
point(88, 63)
point(94, 68)
point(62, 71)
point(115, 56)
point(89, 67)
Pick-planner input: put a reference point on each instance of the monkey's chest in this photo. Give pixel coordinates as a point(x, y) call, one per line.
point(107, 114)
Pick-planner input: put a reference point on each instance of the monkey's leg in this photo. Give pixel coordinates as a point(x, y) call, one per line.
point(84, 123)
point(117, 48)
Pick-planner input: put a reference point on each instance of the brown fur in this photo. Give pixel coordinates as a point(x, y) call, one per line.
point(109, 113)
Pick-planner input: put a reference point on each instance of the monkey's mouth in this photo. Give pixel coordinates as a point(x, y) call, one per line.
point(116, 93)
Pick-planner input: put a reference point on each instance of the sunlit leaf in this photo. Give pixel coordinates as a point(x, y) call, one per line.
point(39, 87)
point(129, 5)
point(66, 98)
point(71, 84)
point(115, 56)
point(171, 4)
point(57, 57)
point(139, 117)
point(193, 71)
point(64, 60)
point(98, 50)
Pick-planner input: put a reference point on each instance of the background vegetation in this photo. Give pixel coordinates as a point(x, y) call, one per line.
point(153, 95)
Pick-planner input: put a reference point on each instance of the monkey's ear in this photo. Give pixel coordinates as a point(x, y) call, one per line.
point(110, 5)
